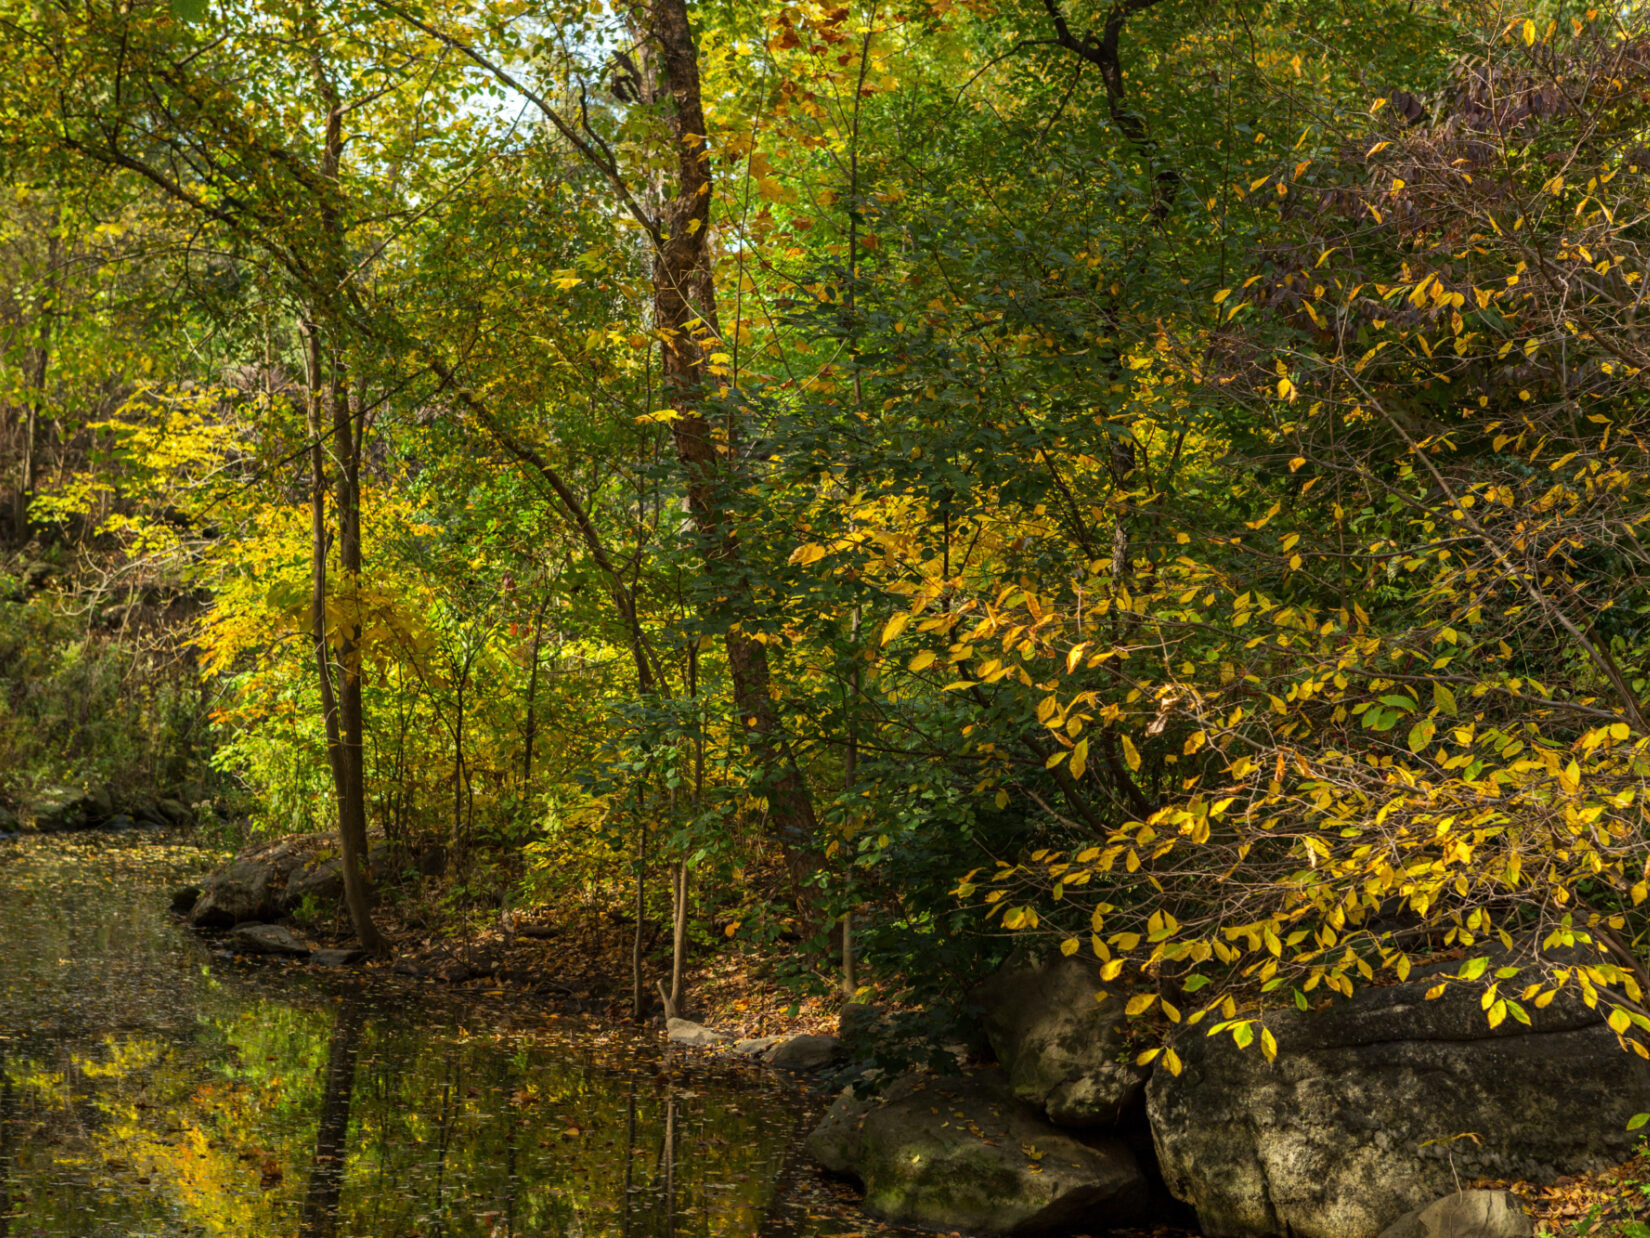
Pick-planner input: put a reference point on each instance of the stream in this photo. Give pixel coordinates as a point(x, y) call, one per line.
point(150, 1086)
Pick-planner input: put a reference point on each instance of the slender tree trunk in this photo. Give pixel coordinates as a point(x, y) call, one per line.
point(531, 730)
point(684, 306)
point(638, 989)
point(678, 943)
point(326, 1175)
point(39, 367)
point(341, 708)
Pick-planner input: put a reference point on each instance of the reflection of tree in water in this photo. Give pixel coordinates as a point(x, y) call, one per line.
point(326, 1176)
point(8, 1153)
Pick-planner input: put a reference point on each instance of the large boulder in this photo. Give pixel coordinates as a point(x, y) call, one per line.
point(1466, 1214)
point(804, 1053)
point(963, 1153)
point(60, 809)
point(1381, 1103)
point(1060, 1042)
point(255, 884)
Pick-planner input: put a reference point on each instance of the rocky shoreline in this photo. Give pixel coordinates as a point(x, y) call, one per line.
point(1377, 1107)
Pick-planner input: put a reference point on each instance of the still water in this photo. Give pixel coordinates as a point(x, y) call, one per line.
point(149, 1087)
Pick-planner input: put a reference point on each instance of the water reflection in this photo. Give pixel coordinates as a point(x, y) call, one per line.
point(148, 1088)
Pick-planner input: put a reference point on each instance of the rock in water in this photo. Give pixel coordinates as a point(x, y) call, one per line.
point(259, 883)
point(1062, 1049)
point(687, 1032)
point(1361, 1117)
point(804, 1053)
point(1466, 1214)
point(267, 939)
point(963, 1153)
point(184, 899)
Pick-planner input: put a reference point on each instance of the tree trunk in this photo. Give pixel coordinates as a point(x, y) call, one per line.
point(531, 730)
point(684, 307)
point(39, 366)
point(341, 709)
point(638, 987)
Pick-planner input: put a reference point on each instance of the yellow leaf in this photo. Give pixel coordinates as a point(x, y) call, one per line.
point(1112, 970)
point(1529, 33)
point(1079, 758)
point(1268, 1044)
point(923, 660)
point(1131, 754)
point(1069, 946)
point(895, 626)
point(1139, 1004)
point(1171, 1061)
point(808, 553)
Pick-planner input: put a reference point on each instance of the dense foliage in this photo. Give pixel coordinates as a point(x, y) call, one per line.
point(904, 475)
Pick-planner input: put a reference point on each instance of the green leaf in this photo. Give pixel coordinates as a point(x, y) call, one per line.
point(189, 12)
point(1637, 1120)
point(1399, 701)
point(1474, 968)
point(1420, 735)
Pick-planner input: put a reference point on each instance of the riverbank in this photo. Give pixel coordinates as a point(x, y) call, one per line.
point(152, 1083)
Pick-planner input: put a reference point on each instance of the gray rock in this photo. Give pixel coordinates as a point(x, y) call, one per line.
point(1062, 1048)
point(1466, 1214)
point(804, 1053)
point(336, 958)
point(175, 811)
point(255, 885)
point(322, 881)
point(266, 939)
point(184, 899)
point(59, 809)
point(963, 1153)
point(1361, 1118)
point(757, 1046)
point(120, 821)
point(687, 1032)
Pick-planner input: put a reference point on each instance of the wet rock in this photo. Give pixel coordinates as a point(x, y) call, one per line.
point(756, 1046)
point(802, 1053)
point(253, 885)
point(184, 899)
point(175, 812)
point(319, 880)
point(60, 809)
point(120, 821)
point(1062, 1049)
point(964, 1153)
point(1359, 1119)
point(336, 958)
point(687, 1032)
point(266, 939)
point(1466, 1214)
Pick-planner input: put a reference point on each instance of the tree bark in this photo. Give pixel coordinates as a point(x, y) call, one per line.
point(341, 708)
point(684, 308)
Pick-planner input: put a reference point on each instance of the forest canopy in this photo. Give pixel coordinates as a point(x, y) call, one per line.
point(1164, 477)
